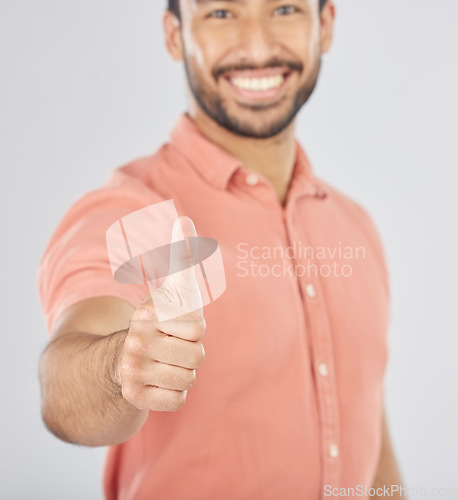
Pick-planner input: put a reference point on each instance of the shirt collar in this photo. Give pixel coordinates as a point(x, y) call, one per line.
point(303, 181)
point(211, 161)
point(217, 165)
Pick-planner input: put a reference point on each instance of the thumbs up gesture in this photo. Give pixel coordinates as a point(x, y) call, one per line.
point(162, 350)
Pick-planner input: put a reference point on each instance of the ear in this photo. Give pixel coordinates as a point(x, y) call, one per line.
point(172, 34)
point(327, 16)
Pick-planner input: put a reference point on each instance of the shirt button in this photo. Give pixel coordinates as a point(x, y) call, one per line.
point(310, 290)
point(252, 179)
point(333, 450)
point(323, 369)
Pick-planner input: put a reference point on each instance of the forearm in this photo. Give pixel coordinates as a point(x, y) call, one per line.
point(81, 398)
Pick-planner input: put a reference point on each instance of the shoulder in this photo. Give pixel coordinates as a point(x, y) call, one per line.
point(345, 202)
point(75, 264)
point(350, 206)
point(85, 222)
point(359, 216)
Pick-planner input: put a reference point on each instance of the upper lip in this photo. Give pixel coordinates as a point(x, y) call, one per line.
point(257, 73)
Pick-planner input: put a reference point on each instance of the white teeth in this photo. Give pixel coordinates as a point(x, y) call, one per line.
point(266, 83)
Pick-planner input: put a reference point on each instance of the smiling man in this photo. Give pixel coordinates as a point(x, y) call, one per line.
point(288, 403)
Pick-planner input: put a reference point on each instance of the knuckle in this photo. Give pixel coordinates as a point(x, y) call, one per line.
point(132, 395)
point(204, 324)
point(135, 344)
point(190, 379)
point(198, 329)
point(146, 300)
point(128, 368)
point(143, 400)
point(178, 378)
point(145, 312)
point(198, 356)
point(170, 400)
point(177, 400)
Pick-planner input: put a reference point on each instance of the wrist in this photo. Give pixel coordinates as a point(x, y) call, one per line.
point(116, 346)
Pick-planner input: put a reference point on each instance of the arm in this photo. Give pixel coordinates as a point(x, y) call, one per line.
point(97, 388)
point(81, 398)
point(387, 472)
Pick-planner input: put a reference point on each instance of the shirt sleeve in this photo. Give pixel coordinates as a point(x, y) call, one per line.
point(75, 264)
point(379, 248)
point(380, 252)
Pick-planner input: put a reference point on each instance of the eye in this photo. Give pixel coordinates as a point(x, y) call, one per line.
point(285, 10)
point(220, 14)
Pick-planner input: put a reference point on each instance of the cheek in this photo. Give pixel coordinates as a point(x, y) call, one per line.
point(209, 45)
point(192, 48)
point(313, 43)
point(199, 58)
point(202, 53)
point(306, 50)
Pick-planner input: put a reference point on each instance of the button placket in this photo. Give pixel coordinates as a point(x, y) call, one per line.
point(256, 186)
point(326, 387)
point(322, 354)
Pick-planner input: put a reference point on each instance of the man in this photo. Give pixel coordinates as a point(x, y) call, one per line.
point(288, 403)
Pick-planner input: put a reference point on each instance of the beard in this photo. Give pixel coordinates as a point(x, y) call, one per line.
point(213, 105)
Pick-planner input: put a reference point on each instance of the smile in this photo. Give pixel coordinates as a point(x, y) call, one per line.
point(266, 83)
point(258, 85)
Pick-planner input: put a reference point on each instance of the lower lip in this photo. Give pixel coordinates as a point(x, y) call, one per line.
point(258, 95)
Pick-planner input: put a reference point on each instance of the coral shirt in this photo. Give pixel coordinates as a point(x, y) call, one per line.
point(289, 399)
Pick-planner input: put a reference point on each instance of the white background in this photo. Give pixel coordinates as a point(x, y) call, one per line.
point(87, 86)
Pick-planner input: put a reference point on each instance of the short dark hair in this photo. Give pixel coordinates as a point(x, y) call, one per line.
point(174, 7)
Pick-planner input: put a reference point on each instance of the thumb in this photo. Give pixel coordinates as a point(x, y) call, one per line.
point(183, 248)
point(180, 285)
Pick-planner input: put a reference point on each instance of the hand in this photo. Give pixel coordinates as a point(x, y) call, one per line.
point(159, 358)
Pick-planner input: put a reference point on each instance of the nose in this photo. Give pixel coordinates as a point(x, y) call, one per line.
point(257, 42)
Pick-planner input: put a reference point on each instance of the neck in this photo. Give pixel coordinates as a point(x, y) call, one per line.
point(274, 157)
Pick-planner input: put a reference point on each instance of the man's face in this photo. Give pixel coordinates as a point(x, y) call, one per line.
point(251, 64)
